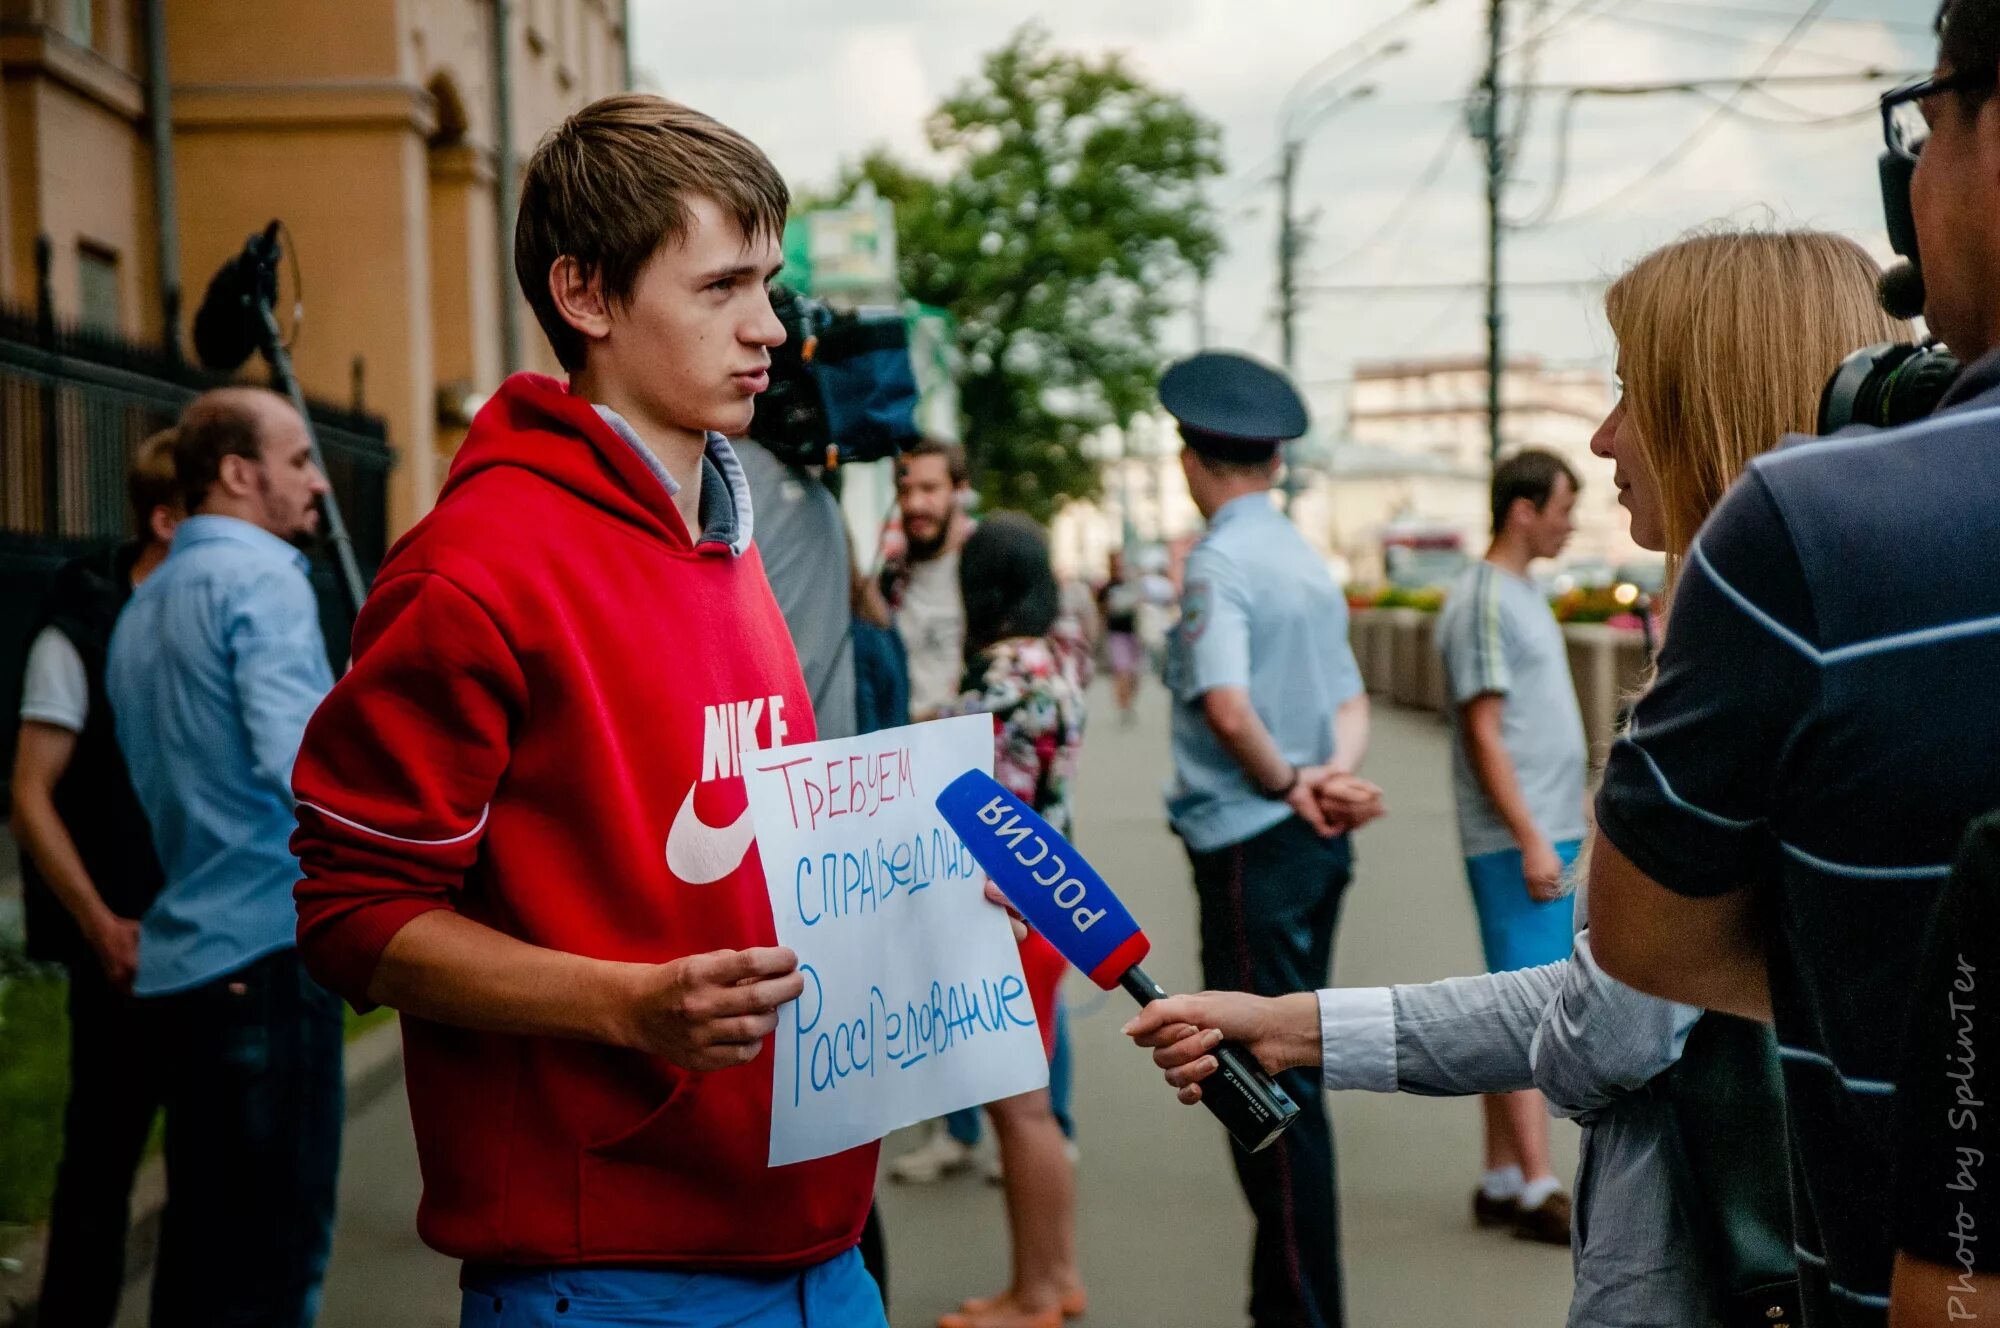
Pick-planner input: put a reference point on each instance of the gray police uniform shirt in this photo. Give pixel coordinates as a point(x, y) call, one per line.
point(802, 539)
point(1498, 635)
point(1258, 611)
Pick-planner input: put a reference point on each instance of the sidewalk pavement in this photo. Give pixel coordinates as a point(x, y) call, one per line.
point(1164, 1235)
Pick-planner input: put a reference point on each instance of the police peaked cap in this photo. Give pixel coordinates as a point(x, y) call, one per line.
point(1231, 406)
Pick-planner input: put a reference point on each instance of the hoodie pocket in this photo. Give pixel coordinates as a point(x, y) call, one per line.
point(633, 1186)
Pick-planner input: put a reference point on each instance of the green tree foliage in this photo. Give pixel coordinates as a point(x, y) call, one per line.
point(1071, 211)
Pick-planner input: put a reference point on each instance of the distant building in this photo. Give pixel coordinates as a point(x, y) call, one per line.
point(369, 126)
point(1417, 454)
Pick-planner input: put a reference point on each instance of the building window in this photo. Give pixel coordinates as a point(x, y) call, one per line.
point(79, 21)
point(97, 289)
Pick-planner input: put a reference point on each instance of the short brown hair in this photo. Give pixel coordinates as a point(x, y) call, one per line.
point(610, 185)
point(150, 481)
point(215, 425)
point(1532, 474)
point(953, 454)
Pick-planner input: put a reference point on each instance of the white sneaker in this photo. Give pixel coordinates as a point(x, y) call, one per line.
point(932, 1160)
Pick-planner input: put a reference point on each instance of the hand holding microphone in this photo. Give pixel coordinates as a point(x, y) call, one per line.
point(1282, 1032)
point(1059, 894)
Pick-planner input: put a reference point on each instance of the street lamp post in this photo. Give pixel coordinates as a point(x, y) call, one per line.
point(1294, 124)
point(1315, 97)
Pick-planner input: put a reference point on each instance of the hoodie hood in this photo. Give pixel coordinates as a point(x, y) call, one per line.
point(535, 423)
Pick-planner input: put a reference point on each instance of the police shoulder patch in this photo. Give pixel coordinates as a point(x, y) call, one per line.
point(1194, 609)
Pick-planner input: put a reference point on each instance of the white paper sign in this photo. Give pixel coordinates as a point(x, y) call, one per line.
point(914, 1002)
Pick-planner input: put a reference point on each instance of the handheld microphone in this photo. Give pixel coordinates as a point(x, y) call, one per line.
point(1070, 905)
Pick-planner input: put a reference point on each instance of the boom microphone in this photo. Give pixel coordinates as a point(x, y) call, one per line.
point(1070, 905)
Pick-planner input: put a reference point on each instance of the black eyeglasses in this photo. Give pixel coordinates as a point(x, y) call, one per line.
point(1906, 124)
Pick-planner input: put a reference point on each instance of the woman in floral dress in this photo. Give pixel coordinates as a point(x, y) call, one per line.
point(1027, 669)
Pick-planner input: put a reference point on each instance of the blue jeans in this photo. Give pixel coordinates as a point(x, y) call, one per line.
point(964, 1125)
point(250, 1074)
point(836, 1294)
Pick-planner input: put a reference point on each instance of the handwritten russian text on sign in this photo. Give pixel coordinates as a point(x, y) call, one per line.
point(914, 1002)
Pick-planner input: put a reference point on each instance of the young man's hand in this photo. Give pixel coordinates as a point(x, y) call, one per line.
point(712, 1011)
point(1542, 868)
point(1281, 1032)
point(115, 941)
point(1014, 919)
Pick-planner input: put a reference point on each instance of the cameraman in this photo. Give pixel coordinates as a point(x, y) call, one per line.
point(1777, 825)
point(803, 538)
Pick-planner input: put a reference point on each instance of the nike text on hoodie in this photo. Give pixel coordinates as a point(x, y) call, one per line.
point(553, 688)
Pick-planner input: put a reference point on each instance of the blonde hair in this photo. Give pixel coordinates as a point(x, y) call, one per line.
point(150, 481)
point(1725, 341)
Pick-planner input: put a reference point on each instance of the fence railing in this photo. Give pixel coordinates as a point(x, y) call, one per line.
point(74, 406)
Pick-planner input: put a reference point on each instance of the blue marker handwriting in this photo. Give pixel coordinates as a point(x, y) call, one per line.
point(856, 882)
point(897, 1033)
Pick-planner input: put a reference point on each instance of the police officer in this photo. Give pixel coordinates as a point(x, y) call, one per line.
point(1270, 721)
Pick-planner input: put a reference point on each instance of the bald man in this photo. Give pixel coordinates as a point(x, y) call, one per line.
point(214, 668)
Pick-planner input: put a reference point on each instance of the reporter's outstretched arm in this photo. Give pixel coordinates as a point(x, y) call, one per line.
point(1600, 1039)
point(1458, 1037)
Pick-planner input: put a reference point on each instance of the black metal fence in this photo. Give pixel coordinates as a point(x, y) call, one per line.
point(74, 405)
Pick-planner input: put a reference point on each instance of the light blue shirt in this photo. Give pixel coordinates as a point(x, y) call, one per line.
point(1258, 611)
point(214, 668)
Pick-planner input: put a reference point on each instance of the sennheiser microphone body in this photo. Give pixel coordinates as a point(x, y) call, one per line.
point(1065, 900)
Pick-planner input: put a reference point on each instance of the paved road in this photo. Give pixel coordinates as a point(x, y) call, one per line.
point(1165, 1237)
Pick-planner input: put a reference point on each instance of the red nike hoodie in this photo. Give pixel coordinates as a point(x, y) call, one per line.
point(552, 690)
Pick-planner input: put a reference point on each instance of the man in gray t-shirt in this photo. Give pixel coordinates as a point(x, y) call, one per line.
point(1519, 763)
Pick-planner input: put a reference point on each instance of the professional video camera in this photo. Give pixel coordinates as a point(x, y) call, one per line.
point(842, 389)
point(1895, 382)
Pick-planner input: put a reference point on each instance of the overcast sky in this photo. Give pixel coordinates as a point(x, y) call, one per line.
point(817, 84)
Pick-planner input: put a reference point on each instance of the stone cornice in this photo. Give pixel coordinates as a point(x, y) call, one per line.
point(332, 104)
point(37, 50)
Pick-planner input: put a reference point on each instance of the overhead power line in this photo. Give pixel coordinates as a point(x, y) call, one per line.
point(1687, 32)
point(1393, 222)
point(1686, 147)
point(1914, 27)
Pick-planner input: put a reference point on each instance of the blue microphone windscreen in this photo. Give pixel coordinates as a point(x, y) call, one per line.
point(1044, 878)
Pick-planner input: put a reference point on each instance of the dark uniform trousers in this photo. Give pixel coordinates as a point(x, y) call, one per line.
point(1269, 907)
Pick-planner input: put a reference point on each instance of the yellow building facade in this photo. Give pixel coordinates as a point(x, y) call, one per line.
point(372, 128)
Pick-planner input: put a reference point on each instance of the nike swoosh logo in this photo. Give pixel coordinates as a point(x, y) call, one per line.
point(702, 854)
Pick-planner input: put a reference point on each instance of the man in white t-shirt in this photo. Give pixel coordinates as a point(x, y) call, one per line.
point(89, 871)
point(922, 586)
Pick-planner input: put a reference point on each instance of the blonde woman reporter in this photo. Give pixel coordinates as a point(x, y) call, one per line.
point(1724, 343)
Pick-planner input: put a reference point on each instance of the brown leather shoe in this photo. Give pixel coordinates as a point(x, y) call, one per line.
point(1493, 1212)
point(1548, 1222)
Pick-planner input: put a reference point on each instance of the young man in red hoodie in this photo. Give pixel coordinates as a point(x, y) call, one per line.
point(522, 820)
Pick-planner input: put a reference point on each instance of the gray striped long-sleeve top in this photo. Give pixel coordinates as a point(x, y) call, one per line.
point(1589, 1043)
